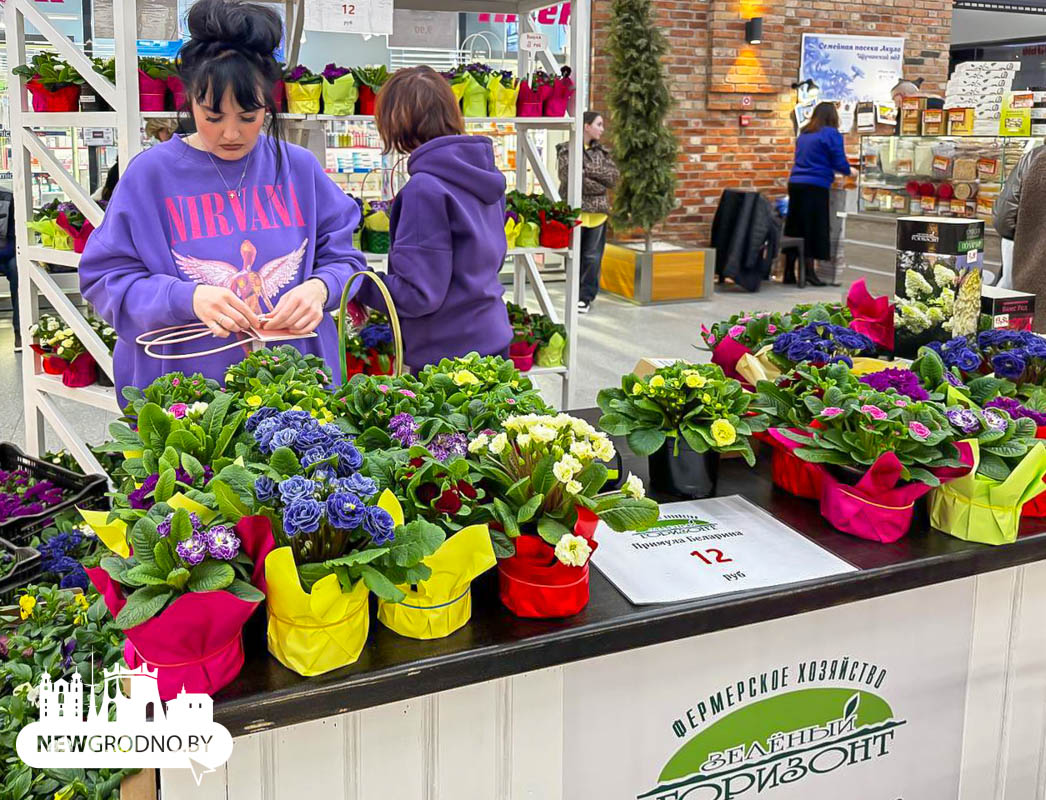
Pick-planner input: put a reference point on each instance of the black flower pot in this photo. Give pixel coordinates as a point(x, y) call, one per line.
point(846, 473)
point(688, 474)
point(92, 101)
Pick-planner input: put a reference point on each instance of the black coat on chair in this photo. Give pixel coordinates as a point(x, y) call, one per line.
point(746, 238)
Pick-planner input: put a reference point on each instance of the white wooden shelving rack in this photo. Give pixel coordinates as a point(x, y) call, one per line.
point(39, 390)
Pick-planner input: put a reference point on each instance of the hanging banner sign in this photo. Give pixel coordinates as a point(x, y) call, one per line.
point(857, 68)
point(718, 545)
point(359, 16)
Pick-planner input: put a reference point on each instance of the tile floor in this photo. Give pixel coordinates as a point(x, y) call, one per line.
point(612, 338)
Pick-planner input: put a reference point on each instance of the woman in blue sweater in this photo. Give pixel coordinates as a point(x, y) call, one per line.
point(819, 154)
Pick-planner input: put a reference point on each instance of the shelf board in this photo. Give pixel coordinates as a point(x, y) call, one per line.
point(69, 119)
point(546, 371)
point(48, 255)
point(514, 251)
point(103, 397)
point(520, 122)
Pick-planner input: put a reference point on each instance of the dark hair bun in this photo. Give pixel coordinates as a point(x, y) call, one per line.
point(234, 24)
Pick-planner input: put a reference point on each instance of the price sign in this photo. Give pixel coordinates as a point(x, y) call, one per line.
point(359, 16)
point(709, 547)
point(98, 137)
point(533, 42)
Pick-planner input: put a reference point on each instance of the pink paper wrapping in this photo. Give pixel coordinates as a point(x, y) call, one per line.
point(559, 100)
point(879, 507)
point(726, 353)
point(197, 641)
point(528, 101)
point(79, 237)
point(872, 316)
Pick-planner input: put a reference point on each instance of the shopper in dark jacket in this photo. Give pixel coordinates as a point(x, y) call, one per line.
point(1004, 213)
point(599, 174)
point(819, 154)
point(447, 226)
point(8, 261)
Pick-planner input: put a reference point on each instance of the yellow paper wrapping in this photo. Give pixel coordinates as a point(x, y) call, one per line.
point(113, 534)
point(512, 228)
point(866, 366)
point(459, 90)
point(340, 96)
point(501, 102)
point(179, 500)
point(758, 366)
point(979, 509)
point(378, 221)
point(133, 453)
point(443, 603)
point(304, 98)
point(316, 632)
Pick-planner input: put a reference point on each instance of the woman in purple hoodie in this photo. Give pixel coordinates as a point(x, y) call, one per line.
point(227, 226)
point(447, 225)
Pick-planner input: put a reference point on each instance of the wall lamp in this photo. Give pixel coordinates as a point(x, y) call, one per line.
point(754, 30)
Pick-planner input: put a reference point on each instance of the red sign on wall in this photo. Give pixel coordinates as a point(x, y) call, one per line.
point(546, 16)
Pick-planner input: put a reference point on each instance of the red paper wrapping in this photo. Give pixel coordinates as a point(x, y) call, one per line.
point(872, 316)
point(152, 92)
point(371, 365)
point(534, 584)
point(79, 236)
point(65, 99)
point(555, 234)
point(879, 507)
point(1036, 507)
point(559, 99)
point(789, 472)
point(177, 87)
point(528, 101)
point(367, 98)
point(197, 641)
point(279, 93)
point(726, 353)
point(82, 371)
point(522, 355)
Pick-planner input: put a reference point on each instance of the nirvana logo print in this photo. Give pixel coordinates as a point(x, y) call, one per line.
point(98, 725)
point(780, 740)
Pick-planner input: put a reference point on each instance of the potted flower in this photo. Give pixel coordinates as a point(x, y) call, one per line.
point(552, 341)
point(558, 221)
point(986, 505)
point(106, 67)
point(152, 82)
point(880, 452)
point(528, 208)
point(533, 94)
point(376, 221)
point(371, 349)
point(79, 228)
point(45, 223)
point(304, 90)
point(562, 94)
point(183, 571)
point(502, 89)
point(336, 541)
point(339, 90)
point(469, 85)
point(62, 353)
point(168, 390)
point(819, 343)
point(682, 417)
point(513, 225)
point(52, 82)
point(370, 80)
point(546, 474)
point(524, 342)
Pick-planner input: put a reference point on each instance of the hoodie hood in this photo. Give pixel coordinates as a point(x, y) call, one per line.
point(465, 162)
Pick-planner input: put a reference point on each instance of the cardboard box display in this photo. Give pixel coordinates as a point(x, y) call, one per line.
point(937, 290)
point(933, 122)
point(1009, 309)
point(960, 121)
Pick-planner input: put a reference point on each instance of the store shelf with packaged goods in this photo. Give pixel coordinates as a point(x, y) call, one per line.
point(49, 255)
point(103, 397)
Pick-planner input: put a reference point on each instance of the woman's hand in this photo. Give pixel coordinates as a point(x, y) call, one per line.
point(222, 311)
point(300, 310)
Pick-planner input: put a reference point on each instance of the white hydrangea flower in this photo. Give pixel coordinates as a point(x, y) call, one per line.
point(943, 276)
point(573, 550)
point(634, 487)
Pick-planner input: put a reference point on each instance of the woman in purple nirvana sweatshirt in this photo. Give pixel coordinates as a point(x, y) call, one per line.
point(226, 226)
point(447, 226)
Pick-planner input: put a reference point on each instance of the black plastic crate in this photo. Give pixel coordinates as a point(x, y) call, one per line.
point(86, 491)
point(28, 568)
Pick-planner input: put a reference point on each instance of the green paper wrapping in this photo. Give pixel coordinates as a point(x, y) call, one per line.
point(340, 97)
point(474, 97)
point(304, 98)
point(529, 235)
point(51, 234)
point(551, 355)
point(501, 101)
point(979, 509)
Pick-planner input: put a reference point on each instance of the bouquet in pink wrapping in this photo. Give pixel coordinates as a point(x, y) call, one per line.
point(185, 594)
point(872, 316)
point(880, 452)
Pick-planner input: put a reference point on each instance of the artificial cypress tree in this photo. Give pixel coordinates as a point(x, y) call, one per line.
point(644, 148)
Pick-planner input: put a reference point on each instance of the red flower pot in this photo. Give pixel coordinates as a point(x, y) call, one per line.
point(152, 93)
point(278, 95)
point(1036, 507)
point(795, 476)
point(53, 365)
point(534, 584)
point(177, 87)
point(65, 99)
point(522, 355)
point(555, 234)
point(367, 98)
point(82, 371)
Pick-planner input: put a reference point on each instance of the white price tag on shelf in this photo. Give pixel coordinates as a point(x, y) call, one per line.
point(99, 137)
point(358, 16)
point(532, 42)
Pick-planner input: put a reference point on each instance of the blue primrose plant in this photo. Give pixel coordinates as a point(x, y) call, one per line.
point(819, 343)
point(328, 512)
